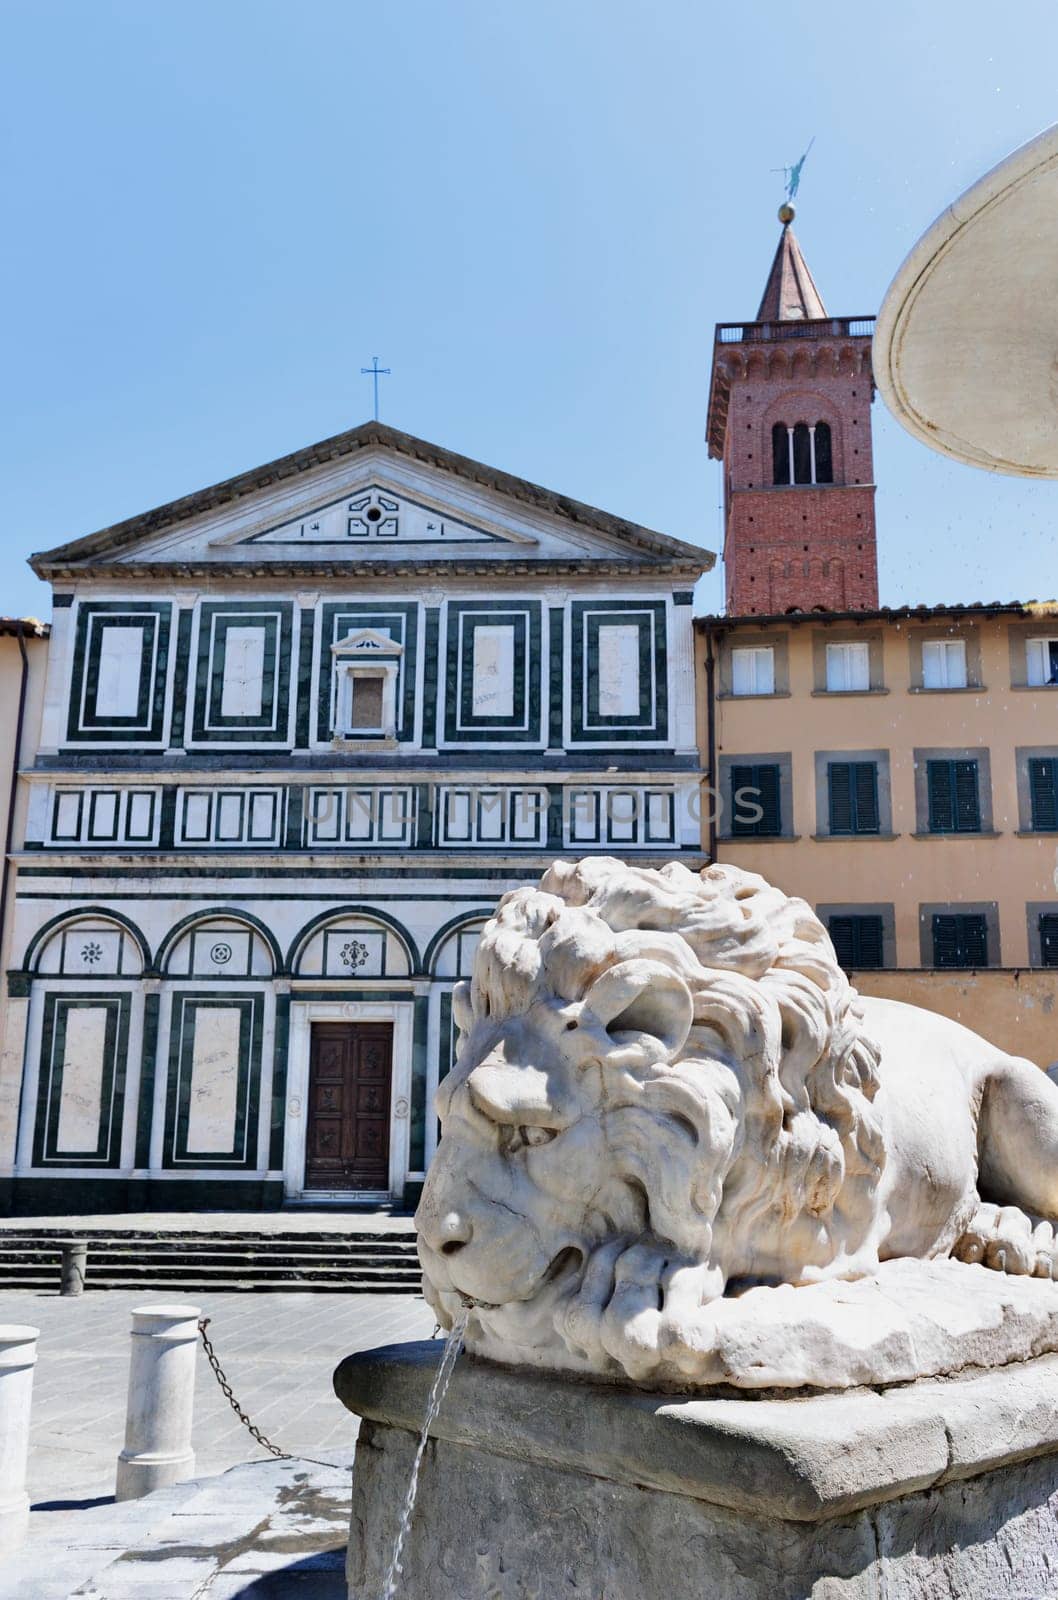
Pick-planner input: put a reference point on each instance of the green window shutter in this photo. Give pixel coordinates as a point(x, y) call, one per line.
point(865, 779)
point(853, 793)
point(1049, 938)
point(839, 780)
point(761, 783)
point(945, 941)
point(1043, 791)
point(967, 801)
point(770, 802)
point(741, 804)
point(954, 801)
point(974, 939)
point(858, 940)
point(960, 939)
point(941, 798)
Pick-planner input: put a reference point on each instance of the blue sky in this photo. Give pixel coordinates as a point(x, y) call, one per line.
point(534, 213)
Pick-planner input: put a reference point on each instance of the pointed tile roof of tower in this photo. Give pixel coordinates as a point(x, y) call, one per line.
point(790, 294)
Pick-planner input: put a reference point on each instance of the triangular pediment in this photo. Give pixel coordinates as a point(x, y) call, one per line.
point(367, 642)
point(376, 516)
point(366, 501)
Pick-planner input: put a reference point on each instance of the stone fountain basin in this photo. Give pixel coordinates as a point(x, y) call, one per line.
point(537, 1484)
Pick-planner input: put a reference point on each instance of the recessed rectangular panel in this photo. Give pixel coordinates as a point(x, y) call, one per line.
point(325, 816)
point(528, 809)
point(618, 656)
point(139, 816)
point(619, 670)
point(491, 815)
point(120, 662)
point(231, 809)
point(622, 815)
point(262, 823)
point(583, 807)
point(197, 808)
point(66, 821)
point(457, 815)
point(660, 818)
point(83, 1067)
point(244, 660)
point(493, 669)
point(395, 811)
point(103, 815)
point(359, 815)
point(81, 1088)
point(214, 1087)
point(119, 670)
point(212, 1105)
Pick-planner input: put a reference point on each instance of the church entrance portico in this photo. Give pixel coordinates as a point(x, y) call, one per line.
point(348, 1100)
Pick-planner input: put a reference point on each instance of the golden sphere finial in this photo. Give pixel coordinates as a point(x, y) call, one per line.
point(786, 213)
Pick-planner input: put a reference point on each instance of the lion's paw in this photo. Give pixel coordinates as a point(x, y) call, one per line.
point(1006, 1239)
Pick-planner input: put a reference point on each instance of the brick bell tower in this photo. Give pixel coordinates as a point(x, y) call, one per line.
point(790, 418)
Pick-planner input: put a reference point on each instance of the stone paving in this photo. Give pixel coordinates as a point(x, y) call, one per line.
point(278, 1350)
point(265, 1529)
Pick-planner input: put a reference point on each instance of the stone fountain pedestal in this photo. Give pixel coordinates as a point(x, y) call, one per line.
point(535, 1487)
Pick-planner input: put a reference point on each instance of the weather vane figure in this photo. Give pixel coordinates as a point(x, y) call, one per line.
point(792, 177)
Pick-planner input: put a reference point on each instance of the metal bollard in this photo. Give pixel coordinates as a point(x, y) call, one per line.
point(18, 1356)
point(161, 1397)
point(74, 1265)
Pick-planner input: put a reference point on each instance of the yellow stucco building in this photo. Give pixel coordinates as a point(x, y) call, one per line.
point(899, 770)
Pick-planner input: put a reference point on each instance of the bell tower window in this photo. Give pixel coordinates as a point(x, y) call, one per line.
point(801, 453)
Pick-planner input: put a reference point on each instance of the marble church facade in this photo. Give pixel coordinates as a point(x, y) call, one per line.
point(300, 730)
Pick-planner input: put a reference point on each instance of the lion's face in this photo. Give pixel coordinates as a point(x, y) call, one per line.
point(662, 1088)
point(538, 1164)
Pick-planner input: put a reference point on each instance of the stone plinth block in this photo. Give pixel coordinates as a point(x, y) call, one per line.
point(535, 1486)
point(161, 1398)
point(18, 1355)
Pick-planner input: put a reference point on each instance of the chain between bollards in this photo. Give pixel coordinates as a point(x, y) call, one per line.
point(251, 1427)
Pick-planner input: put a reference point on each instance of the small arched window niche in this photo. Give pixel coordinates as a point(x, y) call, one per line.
point(802, 453)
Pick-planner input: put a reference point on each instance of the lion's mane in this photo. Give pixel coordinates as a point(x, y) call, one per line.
point(777, 1045)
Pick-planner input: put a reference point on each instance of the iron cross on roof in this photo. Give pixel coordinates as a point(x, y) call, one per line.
point(375, 371)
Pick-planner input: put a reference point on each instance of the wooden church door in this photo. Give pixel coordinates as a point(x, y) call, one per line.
point(347, 1142)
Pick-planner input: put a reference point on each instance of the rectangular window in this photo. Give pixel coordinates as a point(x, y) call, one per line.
point(753, 670)
point(1049, 939)
point(619, 670)
point(954, 801)
point(756, 805)
point(944, 664)
point(1043, 793)
point(848, 667)
point(857, 940)
point(960, 939)
point(1042, 661)
point(853, 796)
point(367, 697)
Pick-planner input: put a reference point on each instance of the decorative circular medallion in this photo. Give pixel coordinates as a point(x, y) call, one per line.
point(92, 952)
point(354, 954)
point(220, 954)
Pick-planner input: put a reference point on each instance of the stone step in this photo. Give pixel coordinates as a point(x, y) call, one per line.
point(281, 1257)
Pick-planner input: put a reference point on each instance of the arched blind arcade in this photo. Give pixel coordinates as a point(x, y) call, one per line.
point(802, 453)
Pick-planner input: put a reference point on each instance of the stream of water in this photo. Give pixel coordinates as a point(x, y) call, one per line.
point(443, 1377)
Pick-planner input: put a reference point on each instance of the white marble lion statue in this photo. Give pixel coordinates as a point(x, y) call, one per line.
point(668, 1092)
